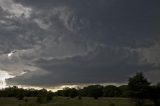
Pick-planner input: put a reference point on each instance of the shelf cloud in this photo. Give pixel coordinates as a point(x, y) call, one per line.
point(46, 43)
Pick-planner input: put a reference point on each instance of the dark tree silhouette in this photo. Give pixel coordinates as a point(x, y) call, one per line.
point(111, 91)
point(67, 92)
point(138, 88)
point(93, 91)
point(154, 94)
point(124, 91)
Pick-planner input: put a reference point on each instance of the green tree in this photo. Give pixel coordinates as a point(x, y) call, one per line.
point(93, 91)
point(73, 93)
point(138, 87)
point(42, 96)
point(49, 96)
point(111, 91)
point(124, 90)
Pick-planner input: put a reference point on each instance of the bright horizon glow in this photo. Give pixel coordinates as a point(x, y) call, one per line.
point(3, 76)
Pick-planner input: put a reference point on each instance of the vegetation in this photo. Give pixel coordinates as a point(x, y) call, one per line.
point(64, 101)
point(139, 90)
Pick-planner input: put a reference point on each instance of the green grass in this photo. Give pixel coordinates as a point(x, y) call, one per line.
point(61, 101)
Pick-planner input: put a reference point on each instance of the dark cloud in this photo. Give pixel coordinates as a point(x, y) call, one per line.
point(85, 41)
point(104, 65)
point(122, 22)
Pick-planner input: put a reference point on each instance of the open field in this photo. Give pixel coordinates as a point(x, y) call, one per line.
point(61, 101)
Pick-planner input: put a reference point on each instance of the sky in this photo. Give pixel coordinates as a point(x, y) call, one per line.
point(48, 43)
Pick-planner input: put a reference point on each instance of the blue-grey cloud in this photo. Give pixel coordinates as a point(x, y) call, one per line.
point(86, 41)
point(103, 65)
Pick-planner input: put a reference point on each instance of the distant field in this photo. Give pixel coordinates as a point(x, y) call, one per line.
point(61, 101)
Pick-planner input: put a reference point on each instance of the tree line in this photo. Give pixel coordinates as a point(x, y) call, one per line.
point(138, 89)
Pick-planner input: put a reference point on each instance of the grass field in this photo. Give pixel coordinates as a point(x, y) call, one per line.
point(61, 101)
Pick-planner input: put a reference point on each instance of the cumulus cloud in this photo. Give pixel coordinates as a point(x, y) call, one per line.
point(15, 9)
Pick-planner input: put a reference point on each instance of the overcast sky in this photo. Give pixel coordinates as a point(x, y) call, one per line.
point(55, 42)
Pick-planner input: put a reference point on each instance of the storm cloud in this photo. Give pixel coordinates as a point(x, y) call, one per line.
point(75, 42)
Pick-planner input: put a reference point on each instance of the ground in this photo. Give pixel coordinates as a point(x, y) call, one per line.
point(61, 101)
